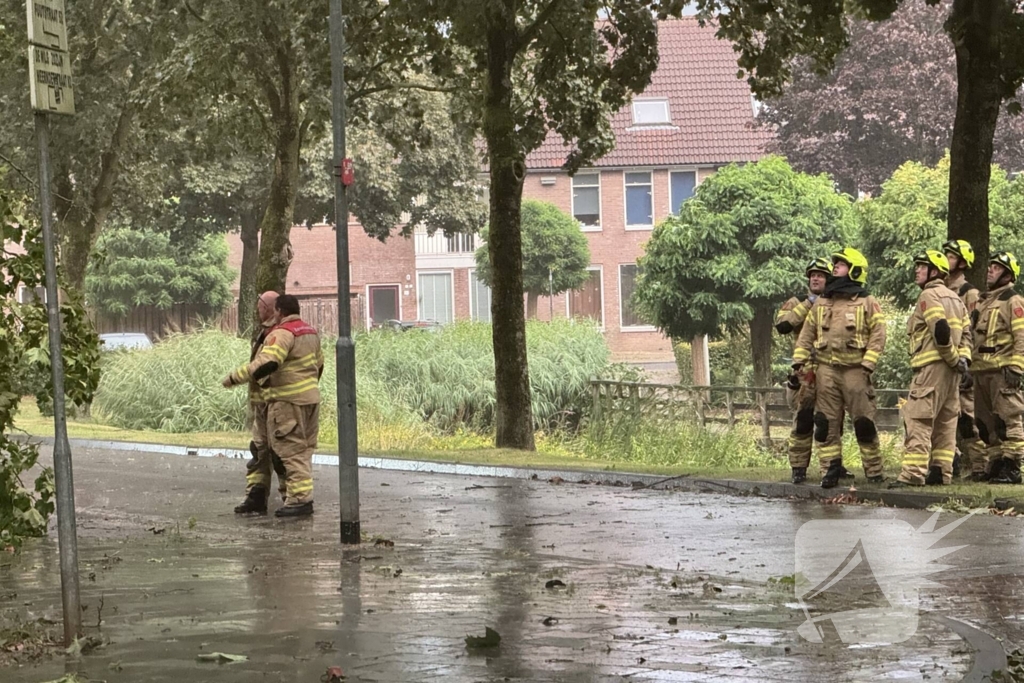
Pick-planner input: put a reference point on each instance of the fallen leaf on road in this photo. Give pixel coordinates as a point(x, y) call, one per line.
point(386, 543)
point(221, 658)
point(550, 621)
point(556, 480)
point(333, 675)
point(672, 621)
point(554, 583)
point(491, 638)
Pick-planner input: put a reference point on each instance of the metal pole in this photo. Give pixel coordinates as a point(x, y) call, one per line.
point(345, 350)
point(551, 296)
point(67, 535)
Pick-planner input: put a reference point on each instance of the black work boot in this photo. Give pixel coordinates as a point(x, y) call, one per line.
point(934, 477)
point(255, 502)
point(956, 464)
point(995, 469)
point(1009, 473)
point(831, 478)
point(799, 475)
point(298, 510)
point(877, 479)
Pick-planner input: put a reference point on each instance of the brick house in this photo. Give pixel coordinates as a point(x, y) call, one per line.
point(693, 118)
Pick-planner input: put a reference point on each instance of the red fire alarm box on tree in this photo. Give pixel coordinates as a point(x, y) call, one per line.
point(348, 172)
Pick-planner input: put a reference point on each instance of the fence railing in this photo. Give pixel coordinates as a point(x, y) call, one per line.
point(765, 407)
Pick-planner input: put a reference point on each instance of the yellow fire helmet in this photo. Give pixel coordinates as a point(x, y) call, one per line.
point(1008, 261)
point(819, 265)
point(933, 258)
point(961, 248)
point(858, 264)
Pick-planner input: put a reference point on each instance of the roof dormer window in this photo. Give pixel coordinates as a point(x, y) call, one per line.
point(651, 112)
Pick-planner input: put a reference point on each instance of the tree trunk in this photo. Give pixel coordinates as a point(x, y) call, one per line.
point(247, 293)
point(513, 415)
point(761, 345)
point(79, 231)
point(531, 305)
point(973, 26)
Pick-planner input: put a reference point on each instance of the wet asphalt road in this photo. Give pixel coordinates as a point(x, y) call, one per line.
point(476, 552)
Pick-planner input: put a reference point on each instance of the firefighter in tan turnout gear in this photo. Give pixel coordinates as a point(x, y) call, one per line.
point(845, 332)
point(998, 365)
point(970, 454)
point(939, 356)
point(800, 388)
point(257, 484)
point(288, 368)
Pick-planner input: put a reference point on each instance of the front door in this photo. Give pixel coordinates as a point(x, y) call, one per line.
point(383, 304)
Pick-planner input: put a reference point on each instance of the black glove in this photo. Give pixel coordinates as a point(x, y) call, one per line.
point(1012, 378)
point(793, 382)
point(966, 378)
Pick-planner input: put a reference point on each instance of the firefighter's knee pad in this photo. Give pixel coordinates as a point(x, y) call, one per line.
point(983, 432)
point(820, 427)
point(1000, 428)
point(965, 427)
point(804, 421)
point(865, 430)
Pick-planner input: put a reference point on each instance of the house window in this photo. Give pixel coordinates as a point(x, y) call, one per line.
point(682, 185)
point(435, 297)
point(31, 296)
point(588, 300)
point(586, 199)
point(627, 285)
point(479, 299)
point(651, 112)
point(639, 205)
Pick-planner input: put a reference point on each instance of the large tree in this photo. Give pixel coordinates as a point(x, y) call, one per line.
point(532, 68)
point(988, 41)
point(555, 253)
point(738, 248)
point(910, 214)
point(116, 50)
point(890, 98)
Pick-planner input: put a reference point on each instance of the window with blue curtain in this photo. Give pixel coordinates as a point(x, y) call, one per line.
point(682, 186)
point(639, 205)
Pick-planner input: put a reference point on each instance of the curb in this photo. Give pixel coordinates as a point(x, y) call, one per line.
point(740, 487)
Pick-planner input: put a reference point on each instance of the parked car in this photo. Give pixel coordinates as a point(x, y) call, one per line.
point(405, 325)
point(125, 340)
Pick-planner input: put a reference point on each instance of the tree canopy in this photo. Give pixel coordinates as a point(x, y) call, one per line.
point(141, 267)
point(890, 98)
point(552, 243)
point(737, 249)
point(910, 214)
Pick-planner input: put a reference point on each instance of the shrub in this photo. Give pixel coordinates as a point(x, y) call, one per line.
point(413, 381)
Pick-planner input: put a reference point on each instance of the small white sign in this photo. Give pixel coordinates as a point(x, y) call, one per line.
point(46, 24)
point(49, 73)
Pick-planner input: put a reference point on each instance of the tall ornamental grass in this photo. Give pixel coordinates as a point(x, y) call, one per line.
point(417, 384)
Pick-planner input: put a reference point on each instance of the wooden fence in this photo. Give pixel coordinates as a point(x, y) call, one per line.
point(765, 407)
point(320, 313)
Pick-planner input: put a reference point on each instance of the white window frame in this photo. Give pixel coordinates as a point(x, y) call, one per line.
point(568, 298)
point(681, 169)
point(652, 100)
point(630, 328)
point(398, 285)
point(600, 202)
point(451, 274)
point(472, 289)
point(625, 200)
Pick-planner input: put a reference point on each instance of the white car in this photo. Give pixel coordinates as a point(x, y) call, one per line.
point(125, 340)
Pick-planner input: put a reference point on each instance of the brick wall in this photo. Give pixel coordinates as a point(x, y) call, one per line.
point(611, 247)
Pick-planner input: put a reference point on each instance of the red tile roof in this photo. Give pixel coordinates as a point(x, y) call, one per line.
point(711, 110)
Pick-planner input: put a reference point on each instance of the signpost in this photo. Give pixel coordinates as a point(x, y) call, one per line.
point(52, 92)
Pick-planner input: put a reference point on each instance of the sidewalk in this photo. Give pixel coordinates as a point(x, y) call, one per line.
point(178, 575)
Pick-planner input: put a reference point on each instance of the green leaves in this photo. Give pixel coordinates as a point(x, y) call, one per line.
point(742, 242)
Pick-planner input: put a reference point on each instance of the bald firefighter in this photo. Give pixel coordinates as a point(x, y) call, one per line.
point(997, 368)
point(290, 364)
point(970, 451)
point(939, 356)
point(845, 333)
point(800, 387)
